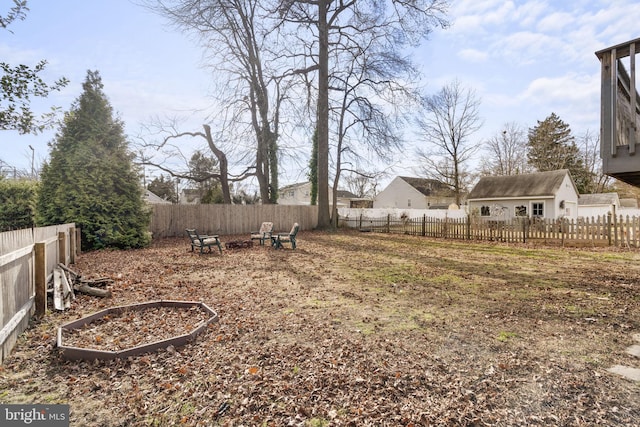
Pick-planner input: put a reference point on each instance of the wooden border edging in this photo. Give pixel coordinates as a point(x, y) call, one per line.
point(77, 353)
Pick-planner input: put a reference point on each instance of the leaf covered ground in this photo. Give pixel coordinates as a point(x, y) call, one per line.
point(356, 329)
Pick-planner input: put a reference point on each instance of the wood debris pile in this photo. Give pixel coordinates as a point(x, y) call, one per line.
point(65, 282)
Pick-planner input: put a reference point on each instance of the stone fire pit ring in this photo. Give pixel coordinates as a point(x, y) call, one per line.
point(78, 353)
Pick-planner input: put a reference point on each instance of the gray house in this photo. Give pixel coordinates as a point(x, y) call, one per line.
point(550, 195)
point(414, 193)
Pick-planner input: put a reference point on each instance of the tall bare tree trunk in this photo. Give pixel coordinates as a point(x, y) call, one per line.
point(324, 220)
point(224, 165)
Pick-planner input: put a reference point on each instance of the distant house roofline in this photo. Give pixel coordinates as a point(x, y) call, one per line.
point(539, 184)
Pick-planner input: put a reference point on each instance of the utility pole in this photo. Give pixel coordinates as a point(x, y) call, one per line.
point(33, 156)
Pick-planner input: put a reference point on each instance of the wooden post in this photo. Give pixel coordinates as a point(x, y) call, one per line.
point(388, 223)
point(615, 226)
point(78, 241)
point(424, 225)
point(40, 267)
point(633, 101)
point(62, 248)
point(72, 245)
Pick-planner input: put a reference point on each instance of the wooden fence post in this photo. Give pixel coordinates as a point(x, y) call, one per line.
point(468, 227)
point(62, 248)
point(40, 267)
point(78, 241)
point(72, 245)
point(424, 225)
point(388, 223)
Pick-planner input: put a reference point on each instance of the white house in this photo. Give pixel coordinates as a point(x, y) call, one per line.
point(594, 205)
point(153, 198)
point(414, 193)
point(550, 194)
point(300, 194)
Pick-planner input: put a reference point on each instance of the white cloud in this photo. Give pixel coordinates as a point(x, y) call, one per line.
point(574, 97)
point(555, 22)
point(526, 47)
point(528, 14)
point(567, 88)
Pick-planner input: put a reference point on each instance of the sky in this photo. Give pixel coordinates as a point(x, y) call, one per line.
point(524, 60)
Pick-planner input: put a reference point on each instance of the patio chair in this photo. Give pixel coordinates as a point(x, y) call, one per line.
point(264, 233)
point(203, 241)
point(290, 237)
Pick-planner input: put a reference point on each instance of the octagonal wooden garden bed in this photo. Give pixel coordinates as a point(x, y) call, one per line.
point(74, 352)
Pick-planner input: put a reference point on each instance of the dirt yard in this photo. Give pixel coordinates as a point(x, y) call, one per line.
point(356, 329)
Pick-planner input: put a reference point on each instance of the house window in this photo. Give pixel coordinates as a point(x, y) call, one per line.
point(521, 211)
point(537, 209)
point(485, 211)
point(409, 203)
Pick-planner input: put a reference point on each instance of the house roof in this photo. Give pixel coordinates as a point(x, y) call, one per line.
point(296, 185)
point(629, 203)
point(598, 199)
point(346, 194)
point(428, 187)
point(525, 185)
point(154, 198)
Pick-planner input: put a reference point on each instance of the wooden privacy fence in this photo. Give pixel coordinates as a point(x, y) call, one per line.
point(601, 230)
point(27, 260)
point(172, 220)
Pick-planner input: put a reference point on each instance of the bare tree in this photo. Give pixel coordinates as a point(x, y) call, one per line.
point(589, 146)
point(450, 118)
point(241, 49)
point(367, 105)
point(332, 27)
point(170, 146)
point(363, 184)
point(506, 152)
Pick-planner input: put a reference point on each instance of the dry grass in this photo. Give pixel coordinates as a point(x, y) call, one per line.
point(358, 329)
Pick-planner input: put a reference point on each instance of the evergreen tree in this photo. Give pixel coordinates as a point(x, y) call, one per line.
point(164, 187)
point(17, 203)
point(551, 146)
point(90, 179)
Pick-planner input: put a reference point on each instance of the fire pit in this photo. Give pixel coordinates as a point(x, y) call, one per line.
point(186, 310)
point(239, 244)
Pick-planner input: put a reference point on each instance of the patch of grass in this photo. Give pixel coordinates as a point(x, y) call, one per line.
point(505, 336)
point(388, 274)
point(449, 279)
point(317, 422)
point(187, 409)
point(366, 328)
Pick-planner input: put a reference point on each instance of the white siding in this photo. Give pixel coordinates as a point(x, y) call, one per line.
point(506, 208)
point(399, 194)
point(567, 193)
point(298, 195)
